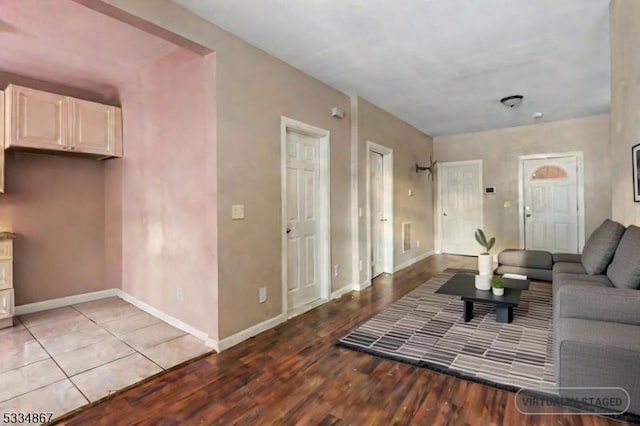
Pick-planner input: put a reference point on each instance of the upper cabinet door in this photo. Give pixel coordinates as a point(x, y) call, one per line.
point(95, 128)
point(35, 119)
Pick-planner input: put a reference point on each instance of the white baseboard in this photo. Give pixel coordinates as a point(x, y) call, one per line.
point(247, 333)
point(342, 291)
point(414, 260)
point(217, 345)
point(66, 301)
point(114, 292)
point(363, 285)
point(349, 288)
point(168, 318)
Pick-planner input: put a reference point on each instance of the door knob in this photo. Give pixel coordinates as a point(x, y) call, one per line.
point(288, 230)
point(444, 214)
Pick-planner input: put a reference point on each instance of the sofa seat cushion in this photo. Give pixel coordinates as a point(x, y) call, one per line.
point(564, 278)
point(530, 273)
point(570, 267)
point(535, 259)
point(566, 257)
point(624, 270)
point(601, 246)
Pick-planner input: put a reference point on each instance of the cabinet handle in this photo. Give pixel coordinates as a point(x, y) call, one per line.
point(72, 148)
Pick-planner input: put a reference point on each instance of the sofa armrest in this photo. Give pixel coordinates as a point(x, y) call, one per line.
point(599, 303)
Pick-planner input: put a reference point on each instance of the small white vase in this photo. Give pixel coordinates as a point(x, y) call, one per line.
point(485, 264)
point(483, 282)
point(498, 291)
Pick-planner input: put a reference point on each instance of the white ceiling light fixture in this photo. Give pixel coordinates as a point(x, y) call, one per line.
point(512, 101)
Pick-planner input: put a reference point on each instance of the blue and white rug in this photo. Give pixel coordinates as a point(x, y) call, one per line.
point(428, 330)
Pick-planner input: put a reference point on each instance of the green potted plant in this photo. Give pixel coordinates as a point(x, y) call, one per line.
point(485, 261)
point(497, 286)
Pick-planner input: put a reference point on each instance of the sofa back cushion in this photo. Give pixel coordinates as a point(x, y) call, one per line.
point(601, 246)
point(624, 271)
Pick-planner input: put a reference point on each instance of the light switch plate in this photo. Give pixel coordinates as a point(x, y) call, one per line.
point(237, 211)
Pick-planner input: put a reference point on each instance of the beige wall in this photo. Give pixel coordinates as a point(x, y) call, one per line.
point(164, 190)
point(410, 146)
point(56, 206)
point(499, 151)
point(253, 91)
point(625, 105)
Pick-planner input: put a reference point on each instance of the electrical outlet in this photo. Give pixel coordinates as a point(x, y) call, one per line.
point(336, 270)
point(262, 294)
point(180, 294)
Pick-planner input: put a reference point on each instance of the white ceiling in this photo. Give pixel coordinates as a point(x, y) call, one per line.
point(441, 65)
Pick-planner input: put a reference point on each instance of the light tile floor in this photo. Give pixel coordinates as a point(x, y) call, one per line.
point(61, 359)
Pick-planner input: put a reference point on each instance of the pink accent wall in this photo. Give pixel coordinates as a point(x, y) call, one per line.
point(168, 189)
point(67, 43)
point(56, 205)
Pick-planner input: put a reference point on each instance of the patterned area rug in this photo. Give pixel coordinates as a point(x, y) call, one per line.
point(428, 330)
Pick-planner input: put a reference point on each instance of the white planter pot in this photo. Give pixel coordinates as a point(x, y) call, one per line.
point(483, 282)
point(485, 264)
point(498, 291)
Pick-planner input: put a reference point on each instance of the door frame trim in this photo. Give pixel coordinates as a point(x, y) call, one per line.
point(387, 169)
point(439, 198)
point(579, 156)
point(324, 207)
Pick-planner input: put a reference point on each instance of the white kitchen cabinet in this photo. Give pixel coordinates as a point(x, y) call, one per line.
point(7, 306)
point(95, 128)
point(35, 119)
point(39, 120)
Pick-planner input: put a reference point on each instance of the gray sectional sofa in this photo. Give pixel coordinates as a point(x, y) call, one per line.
point(596, 310)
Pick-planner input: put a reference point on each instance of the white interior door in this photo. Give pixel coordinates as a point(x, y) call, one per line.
point(551, 204)
point(461, 205)
point(302, 212)
point(376, 175)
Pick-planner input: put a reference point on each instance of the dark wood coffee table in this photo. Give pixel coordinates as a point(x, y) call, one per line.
point(463, 285)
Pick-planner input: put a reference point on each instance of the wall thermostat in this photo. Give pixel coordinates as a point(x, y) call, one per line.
point(490, 190)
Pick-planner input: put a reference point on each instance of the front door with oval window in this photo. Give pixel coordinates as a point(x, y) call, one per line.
point(551, 204)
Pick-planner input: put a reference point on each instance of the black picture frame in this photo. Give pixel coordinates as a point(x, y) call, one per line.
point(635, 157)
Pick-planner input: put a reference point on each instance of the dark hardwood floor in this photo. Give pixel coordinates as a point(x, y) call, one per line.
point(294, 374)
